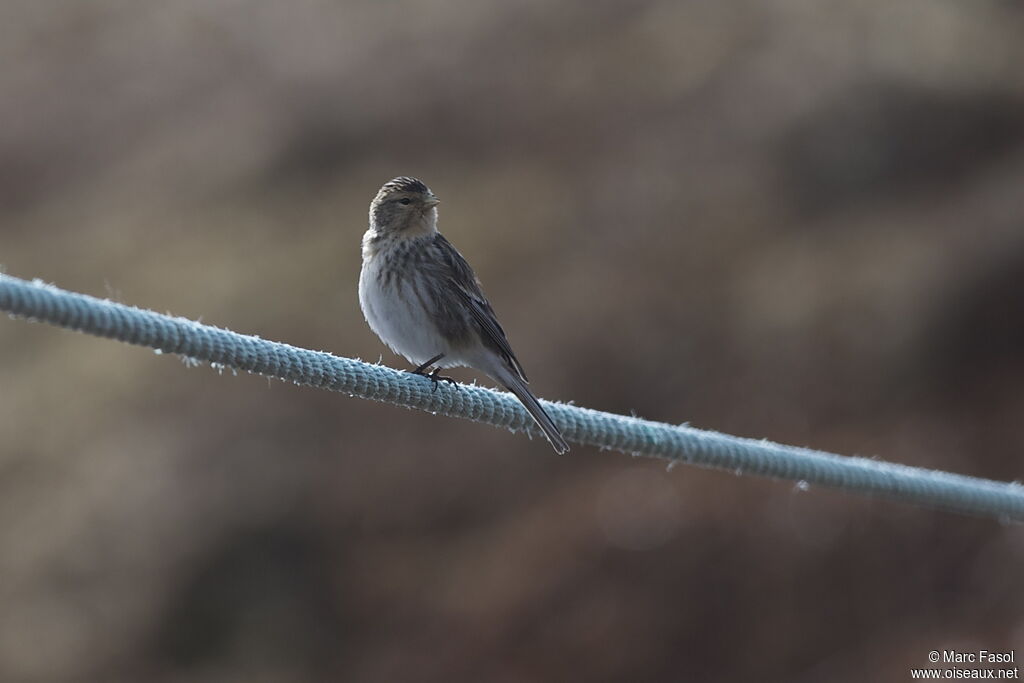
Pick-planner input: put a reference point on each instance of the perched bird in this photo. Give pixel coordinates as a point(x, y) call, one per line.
point(420, 296)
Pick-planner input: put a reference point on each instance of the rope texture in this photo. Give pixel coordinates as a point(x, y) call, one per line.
point(42, 302)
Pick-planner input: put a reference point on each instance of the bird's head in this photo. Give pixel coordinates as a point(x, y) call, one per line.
point(404, 205)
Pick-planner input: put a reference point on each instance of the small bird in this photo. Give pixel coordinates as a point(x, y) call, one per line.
point(421, 297)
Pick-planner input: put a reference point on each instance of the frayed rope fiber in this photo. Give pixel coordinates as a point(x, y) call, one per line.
point(46, 303)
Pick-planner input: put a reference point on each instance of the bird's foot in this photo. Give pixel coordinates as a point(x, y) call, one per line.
point(434, 376)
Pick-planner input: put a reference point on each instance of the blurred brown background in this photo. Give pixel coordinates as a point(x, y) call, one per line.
point(797, 220)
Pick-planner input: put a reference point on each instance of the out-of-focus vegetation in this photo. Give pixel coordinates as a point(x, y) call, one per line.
point(794, 220)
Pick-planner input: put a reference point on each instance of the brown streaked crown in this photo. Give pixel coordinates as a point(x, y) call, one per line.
point(404, 184)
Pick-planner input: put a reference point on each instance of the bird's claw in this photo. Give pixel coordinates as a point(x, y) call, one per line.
point(435, 378)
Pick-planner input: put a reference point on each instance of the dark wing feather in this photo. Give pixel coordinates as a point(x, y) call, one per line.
point(466, 286)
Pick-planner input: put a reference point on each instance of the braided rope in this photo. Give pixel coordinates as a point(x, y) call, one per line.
point(41, 302)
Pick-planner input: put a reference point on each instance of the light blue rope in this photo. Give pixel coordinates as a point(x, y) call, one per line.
point(42, 302)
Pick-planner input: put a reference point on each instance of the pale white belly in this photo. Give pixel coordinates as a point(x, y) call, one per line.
point(397, 316)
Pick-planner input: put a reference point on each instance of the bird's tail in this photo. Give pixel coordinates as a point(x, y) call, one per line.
point(514, 383)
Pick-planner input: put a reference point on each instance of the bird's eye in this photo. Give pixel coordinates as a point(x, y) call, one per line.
point(404, 200)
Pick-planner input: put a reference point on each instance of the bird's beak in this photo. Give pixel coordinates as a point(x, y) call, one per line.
point(431, 202)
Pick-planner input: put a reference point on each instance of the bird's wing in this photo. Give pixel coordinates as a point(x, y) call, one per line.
point(465, 285)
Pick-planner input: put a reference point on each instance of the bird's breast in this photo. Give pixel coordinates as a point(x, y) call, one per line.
point(397, 304)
